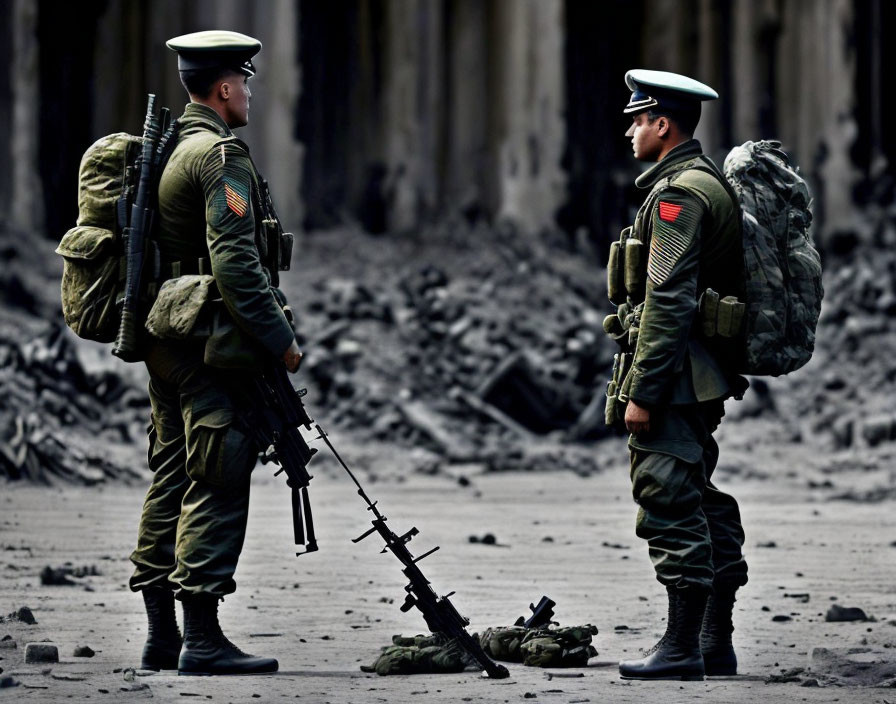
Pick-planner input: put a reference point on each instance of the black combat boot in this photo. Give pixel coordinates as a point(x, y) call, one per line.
point(207, 651)
point(677, 655)
point(163, 641)
point(715, 638)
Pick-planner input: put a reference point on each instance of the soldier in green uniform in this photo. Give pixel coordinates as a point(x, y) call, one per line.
point(214, 219)
point(676, 275)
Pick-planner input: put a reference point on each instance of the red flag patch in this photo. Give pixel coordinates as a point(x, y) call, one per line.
point(669, 211)
point(236, 202)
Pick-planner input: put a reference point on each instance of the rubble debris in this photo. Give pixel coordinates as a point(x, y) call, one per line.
point(790, 675)
point(60, 576)
point(838, 613)
point(52, 411)
point(857, 666)
point(22, 614)
point(487, 539)
point(41, 653)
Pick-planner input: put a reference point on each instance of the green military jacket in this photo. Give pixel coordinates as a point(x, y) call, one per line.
point(690, 224)
point(208, 208)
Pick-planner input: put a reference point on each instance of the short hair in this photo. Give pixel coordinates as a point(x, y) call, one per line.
point(686, 119)
point(199, 82)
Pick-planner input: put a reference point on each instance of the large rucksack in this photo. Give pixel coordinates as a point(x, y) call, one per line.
point(93, 272)
point(782, 268)
point(118, 177)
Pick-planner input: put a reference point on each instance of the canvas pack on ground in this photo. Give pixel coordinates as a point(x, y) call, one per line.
point(782, 267)
point(95, 255)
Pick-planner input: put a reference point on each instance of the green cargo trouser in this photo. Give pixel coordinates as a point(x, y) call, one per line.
point(693, 530)
point(194, 516)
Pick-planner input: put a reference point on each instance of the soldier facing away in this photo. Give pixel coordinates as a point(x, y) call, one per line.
point(670, 382)
point(214, 219)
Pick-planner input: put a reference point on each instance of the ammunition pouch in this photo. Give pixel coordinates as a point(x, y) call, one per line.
point(626, 269)
point(720, 317)
point(618, 388)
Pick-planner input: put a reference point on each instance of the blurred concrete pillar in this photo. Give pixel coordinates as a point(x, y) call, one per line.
point(528, 129)
point(26, 203)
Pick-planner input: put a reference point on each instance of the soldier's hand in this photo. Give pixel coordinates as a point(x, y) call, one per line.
point(292, 358)
point(637, 418)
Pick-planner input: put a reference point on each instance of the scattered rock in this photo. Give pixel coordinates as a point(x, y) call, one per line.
point(84, 651)
point(791, 675)
point(8, 682)
point(59, 576)
point(487, 539)
point(24, 615)
point(8, 643)
point(811, 682)
point(41, 652)
point(858, 666)
point(845, 613)
point(767, 544)
point(781, 618)
point(878, 429)
point(55, 577)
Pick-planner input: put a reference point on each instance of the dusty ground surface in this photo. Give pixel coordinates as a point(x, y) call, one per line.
point(567, 536)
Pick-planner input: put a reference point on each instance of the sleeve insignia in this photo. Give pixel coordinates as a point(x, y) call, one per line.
point(236, 201)
point(669, 211)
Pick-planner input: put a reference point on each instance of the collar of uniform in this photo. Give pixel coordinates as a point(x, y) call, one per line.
point(204, 116)
point(683, 152)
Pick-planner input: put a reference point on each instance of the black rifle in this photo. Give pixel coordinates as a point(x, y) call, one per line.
point(138, 230)
point(541, 614)
point(278, 415)
point(282, 412)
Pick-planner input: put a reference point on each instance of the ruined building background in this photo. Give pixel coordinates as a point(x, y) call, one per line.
point(392, 113)
point(454, 171)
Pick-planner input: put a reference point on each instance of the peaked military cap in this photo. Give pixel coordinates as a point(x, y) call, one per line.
point(215, 48)
point(662, 89)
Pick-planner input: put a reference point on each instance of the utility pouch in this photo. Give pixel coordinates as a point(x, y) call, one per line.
point(635, 268)
point(180, 306)
point(615, 275)
point(720, 317)
point(730, 318)
point(286, 242)
point(709, 312)
point(614, 411)
point(271, 237)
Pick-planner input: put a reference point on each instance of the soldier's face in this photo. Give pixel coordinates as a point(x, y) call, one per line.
point(645, 135)
point(238, 96)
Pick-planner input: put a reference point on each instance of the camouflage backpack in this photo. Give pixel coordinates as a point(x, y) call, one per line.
point(434, 653)
point(782, 268)
point(568, 646)
point(94, 268)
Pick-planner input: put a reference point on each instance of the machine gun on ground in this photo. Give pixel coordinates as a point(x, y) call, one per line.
point(279, 416)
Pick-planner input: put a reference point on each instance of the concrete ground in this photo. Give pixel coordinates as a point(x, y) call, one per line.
point(325, 614)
